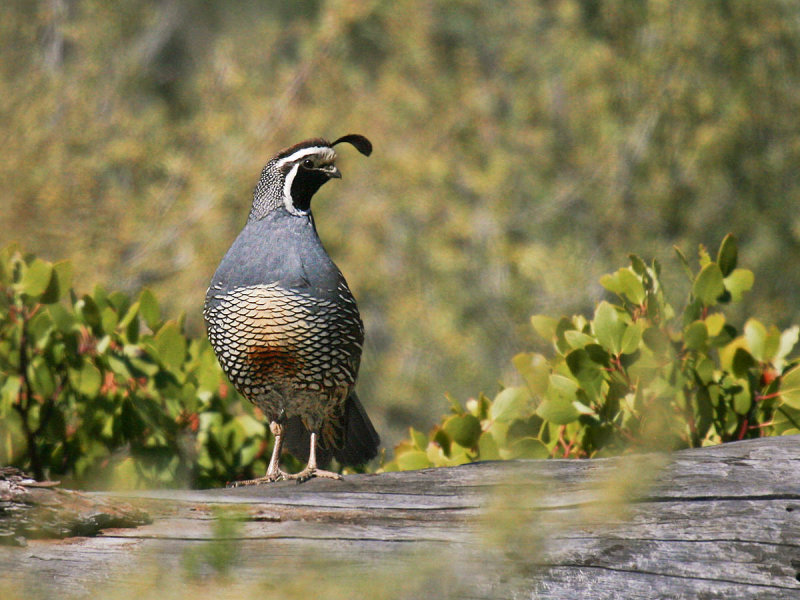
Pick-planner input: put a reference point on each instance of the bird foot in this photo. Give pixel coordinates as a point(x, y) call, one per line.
point(308, 473)
point(268, 478)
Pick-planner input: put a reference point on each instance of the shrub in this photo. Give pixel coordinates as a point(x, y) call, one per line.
point(636, 375)
point(98, 389)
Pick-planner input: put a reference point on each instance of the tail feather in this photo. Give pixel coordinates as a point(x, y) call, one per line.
point(359, 444)
point(361, 441)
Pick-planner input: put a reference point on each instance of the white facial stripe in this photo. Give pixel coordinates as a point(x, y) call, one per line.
point(287, 191)
point(327, 154)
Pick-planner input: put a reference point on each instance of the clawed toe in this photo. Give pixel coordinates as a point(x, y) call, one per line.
point(270, 478)
point(275, 474)
point(309, 473)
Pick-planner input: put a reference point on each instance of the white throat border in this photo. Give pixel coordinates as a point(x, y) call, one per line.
point(326, 153)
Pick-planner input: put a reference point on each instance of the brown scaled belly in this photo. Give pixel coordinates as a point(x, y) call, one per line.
point(269, 362)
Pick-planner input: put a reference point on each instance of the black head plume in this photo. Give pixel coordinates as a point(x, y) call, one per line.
point(359, 142)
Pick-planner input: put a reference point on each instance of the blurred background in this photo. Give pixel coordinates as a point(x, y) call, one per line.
point(522, 150)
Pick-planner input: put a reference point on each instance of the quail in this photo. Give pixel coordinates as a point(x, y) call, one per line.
point(284, 324)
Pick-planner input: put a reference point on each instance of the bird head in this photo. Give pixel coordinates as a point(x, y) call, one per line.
point(292, 177)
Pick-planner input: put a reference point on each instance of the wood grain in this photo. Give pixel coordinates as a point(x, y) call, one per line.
point(720, 522)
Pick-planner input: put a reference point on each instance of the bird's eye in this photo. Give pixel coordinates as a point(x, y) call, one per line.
point(308, 163)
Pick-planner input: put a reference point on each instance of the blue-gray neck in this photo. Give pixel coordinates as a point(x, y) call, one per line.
point(278, 248)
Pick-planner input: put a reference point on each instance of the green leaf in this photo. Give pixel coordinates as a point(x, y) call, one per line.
point(510, 404)
point(709, 285)
point(89, 380)
point(625, 283)
point(121, 302)
point(108, 319)
point(714, 324)
point(637, 264)
point(36, 278)
point(499, 432)
point(535, 369)
point(564, 324)
point(742, 362)
point(88, 311)
point(487, 447)
point(657, 267)
point(684, 263)
point(739, 282)
point(418, 439)
point(463, 429)
point(773, 343)
point(656, 340)
point(589, 373)
point(704, 412)
point(529, 448)
point(170, 345)
point(120, 367)
point(59, 282)
point(248, 452)
point(250, 426)
point(609, 327)
point(790, 387)
point(631, 338)
point(788, 340)
point(756, 335)
point(558, 407)
point(62, 318)
point(43, 381)
point(479, 407)
point(704, 368)
point(130, 323)
point(455, 405)
point(696, 335)
point(544, 326)
point(413, 460)
point(703, 255)
point(148, 308)
point(742, 400)
point(100, 295)
point(130, 315)
point(577, 339)
point(727, 255)
point(439, 450)
point(132, 331)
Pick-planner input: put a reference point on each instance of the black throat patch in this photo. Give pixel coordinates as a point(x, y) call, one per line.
point(305, 185)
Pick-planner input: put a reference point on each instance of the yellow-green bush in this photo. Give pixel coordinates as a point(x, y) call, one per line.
point(99, 390)
point(636, 375)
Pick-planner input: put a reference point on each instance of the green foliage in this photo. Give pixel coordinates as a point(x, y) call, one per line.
point(99, 390)
point(636, 376)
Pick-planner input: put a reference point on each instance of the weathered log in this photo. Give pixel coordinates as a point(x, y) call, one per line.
point(39, 510)
point(720, 522)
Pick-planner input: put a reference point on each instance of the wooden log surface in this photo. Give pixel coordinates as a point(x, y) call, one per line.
point(38, 510)
point(719, 522)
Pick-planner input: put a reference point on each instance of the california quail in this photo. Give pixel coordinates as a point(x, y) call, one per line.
point(283, 323)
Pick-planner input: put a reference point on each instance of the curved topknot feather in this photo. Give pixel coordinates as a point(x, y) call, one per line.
point(358, 141)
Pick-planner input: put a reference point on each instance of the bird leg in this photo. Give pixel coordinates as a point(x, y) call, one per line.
point(311, 469)
point(274, 472)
